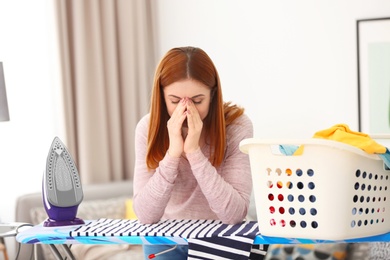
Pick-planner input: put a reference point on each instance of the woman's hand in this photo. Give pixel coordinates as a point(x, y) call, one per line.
point(175, 124)
point(195, 125)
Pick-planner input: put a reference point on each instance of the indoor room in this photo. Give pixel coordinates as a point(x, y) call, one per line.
point(83, 71)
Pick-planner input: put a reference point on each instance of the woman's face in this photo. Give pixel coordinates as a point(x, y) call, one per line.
point(188, 88)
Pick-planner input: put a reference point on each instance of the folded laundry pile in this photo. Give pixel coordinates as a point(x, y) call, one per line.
point(342, 133)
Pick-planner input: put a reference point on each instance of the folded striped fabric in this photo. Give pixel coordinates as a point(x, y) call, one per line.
point(233, 247)
point(207, 239)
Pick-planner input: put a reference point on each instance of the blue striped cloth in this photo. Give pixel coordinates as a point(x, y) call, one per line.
point(207, 239)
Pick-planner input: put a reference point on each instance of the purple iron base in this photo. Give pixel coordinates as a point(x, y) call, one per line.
point(61, 216)
point(57, 223)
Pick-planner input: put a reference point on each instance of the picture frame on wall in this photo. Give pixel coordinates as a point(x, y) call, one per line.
point(373, 60)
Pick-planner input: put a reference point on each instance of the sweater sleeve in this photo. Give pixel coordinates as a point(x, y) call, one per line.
point(227, 190)
point(152, 189)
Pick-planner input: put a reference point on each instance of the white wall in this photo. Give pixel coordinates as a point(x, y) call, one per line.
point(291, 64)
point(26, 42)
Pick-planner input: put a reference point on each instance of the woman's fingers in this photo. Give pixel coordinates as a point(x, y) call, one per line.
point(193, 118)
point(195, 125)
point(174, 126)
point(178, 116)
point(178, 112)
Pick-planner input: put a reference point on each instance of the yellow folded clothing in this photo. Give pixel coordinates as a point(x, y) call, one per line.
point(342, 133)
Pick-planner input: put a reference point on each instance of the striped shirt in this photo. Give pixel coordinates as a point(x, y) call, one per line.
point(207, 239)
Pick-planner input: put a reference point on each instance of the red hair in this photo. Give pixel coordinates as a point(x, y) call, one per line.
point(188, 63)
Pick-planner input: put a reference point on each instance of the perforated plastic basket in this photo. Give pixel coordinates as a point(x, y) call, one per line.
point(332, 191)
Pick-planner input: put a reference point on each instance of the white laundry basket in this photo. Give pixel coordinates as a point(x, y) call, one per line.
point(332, 191)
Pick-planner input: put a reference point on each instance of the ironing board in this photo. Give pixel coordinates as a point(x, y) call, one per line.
point(65, 235)
point(60, 235)
point(39, 234)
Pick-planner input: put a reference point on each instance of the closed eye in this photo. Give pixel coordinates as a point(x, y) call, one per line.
point(175, 100)
point(197, 101)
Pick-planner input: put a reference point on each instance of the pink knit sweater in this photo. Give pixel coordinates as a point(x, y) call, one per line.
point(193, 188)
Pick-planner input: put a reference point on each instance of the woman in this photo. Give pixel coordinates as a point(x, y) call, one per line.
point(188, 163)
